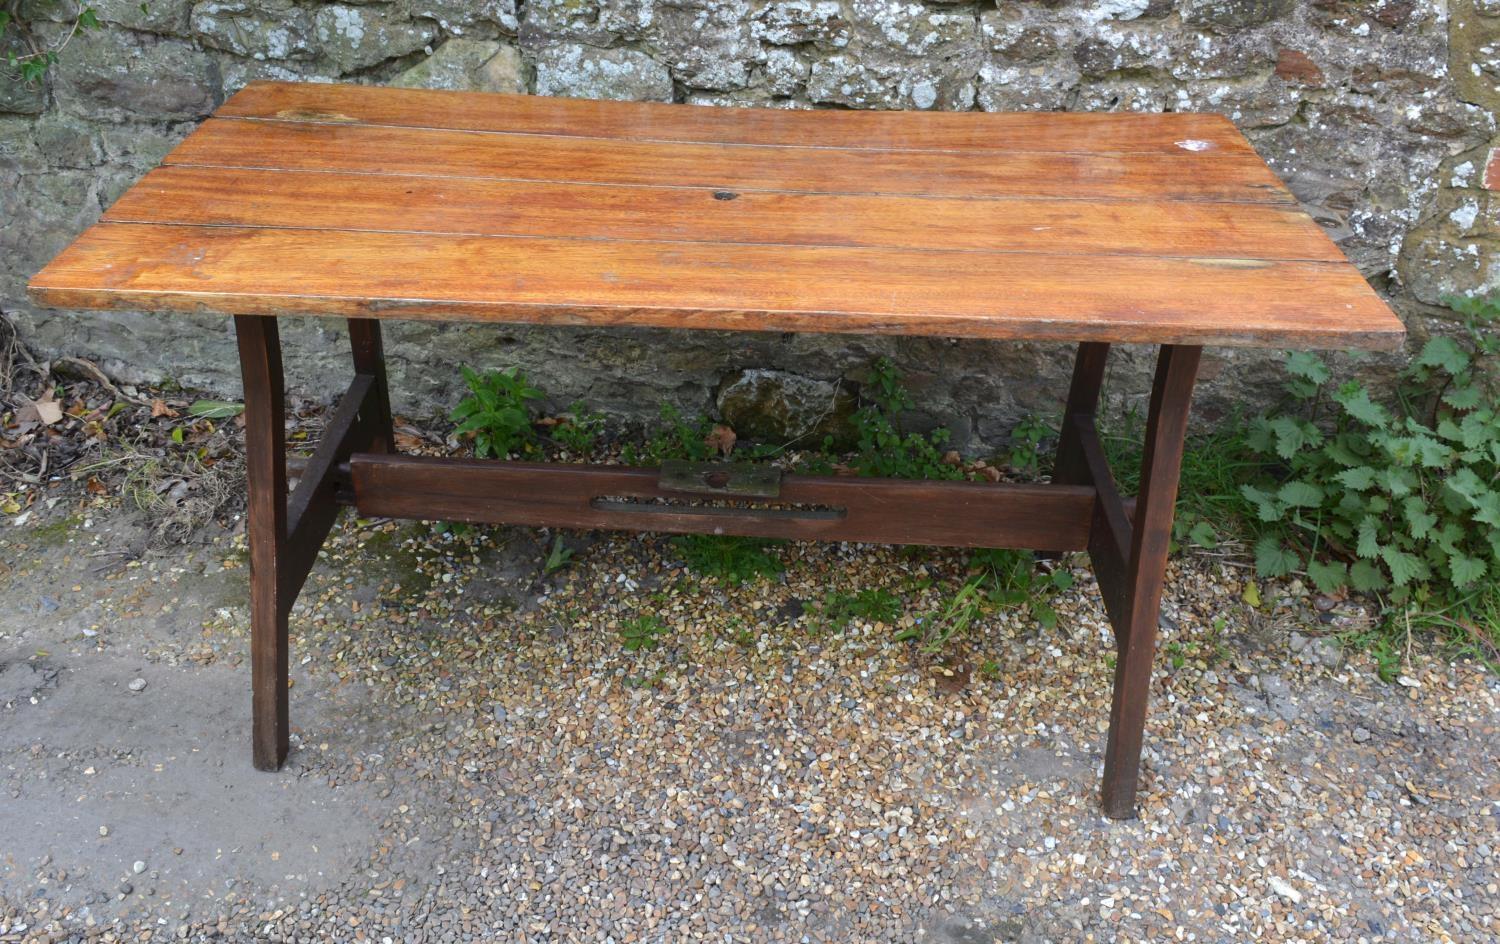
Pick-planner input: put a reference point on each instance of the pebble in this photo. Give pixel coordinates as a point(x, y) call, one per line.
point(760, 777)
point(137, 685)
point(1281, 887)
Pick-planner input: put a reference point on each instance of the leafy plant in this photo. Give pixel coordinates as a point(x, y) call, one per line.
point(1402, 499)
point(999, 580)
point(733, 560)
point(642, 632)
point(1215, 463)
point(558, 557)
point(872, 604)
point(882, 450)
point(30, 67)
point(495, 412)
point(677, 438)
point(579, 430)
point(1026, 455)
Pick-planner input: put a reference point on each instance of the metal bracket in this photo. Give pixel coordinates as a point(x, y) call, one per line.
point(720, 478)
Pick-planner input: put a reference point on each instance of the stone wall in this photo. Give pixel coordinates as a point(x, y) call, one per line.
point(1380, 114)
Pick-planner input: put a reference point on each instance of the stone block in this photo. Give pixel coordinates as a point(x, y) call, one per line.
point(475, 64)
point(258, 29)
point(1234, 14)
point(121, 73)
point(353, 38)
point(775, 406)
point(580, 71)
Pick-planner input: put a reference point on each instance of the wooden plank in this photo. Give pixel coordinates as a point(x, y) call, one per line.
point(746, 288)
point(644, 121)
point(238, 197)
point(1185, 175)
point(1111, 535)
point(313, 506)
point(882, 511)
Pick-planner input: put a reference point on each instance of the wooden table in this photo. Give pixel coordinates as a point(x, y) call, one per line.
point(366, 203)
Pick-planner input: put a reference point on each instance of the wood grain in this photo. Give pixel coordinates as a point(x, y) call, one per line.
point(886, 511)
point(734, 287)
point(644, 121)
point(361, 202)
point(221, 196)
point(356, 148)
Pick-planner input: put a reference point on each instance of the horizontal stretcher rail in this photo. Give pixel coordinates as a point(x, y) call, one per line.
point(812, 508)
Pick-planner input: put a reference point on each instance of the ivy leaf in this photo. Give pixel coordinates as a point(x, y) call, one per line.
point(1355, 400)
point(1465, 570)
point(1443, 352)
point(1272, 559)
point(1298, 494)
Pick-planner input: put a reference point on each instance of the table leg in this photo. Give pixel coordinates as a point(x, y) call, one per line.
point(1070, 467)
point(265, 471)
point(1151, 532)
point(369, 359)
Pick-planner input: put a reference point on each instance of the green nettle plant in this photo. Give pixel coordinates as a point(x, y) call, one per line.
point(28, 58)
point(882, 449)
point(1402, 500)
point(495, 412)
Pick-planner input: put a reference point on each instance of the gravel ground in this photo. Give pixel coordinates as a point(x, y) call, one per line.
point(478, 758)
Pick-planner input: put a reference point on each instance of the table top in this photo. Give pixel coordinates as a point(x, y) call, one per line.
point(359, 201)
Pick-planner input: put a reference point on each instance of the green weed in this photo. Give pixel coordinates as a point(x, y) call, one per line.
point(839, 609)
point(642, 633)
point(579, 429)
point(495, 413)
point(732, 560)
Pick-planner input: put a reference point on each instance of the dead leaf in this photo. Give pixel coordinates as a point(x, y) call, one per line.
point(990, 472)
point(721, 440)
point(406, 442)
point(951, 681)
point(160, 408)
point(951, 457)
point(96, 487)
point(45, 411)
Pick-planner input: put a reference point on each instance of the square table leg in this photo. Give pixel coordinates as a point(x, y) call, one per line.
point(266, 526)
point(1128, 546)
point(1151, 536)
point(286, 531)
